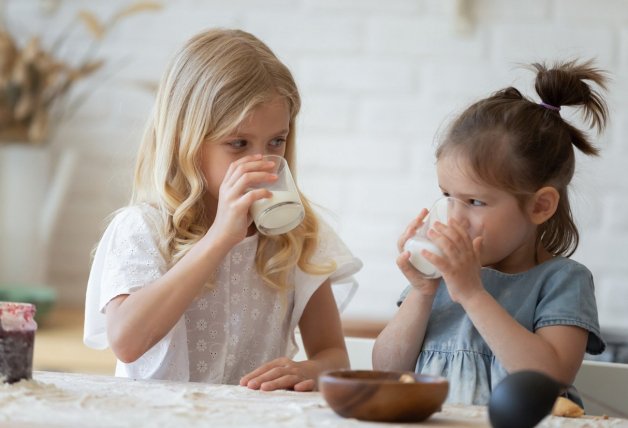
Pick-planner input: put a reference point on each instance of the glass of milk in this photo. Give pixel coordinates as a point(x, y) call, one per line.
point(443, 210)
point(283, 211)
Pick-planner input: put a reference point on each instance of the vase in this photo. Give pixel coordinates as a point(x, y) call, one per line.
point(33, 184)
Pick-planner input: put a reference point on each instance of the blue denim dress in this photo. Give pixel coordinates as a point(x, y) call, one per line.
point(557, 292)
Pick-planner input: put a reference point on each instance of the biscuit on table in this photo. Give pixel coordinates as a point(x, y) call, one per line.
point(567, 408)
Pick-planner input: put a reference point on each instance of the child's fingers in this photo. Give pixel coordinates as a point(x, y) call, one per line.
point(245, 159)
point(275, 378)
point(265, 372)
point(244, 181)
point(306, 385)
point(252, 180)
point(411, 229)
point(407, 269)
point(439, 262)
point(243, 204)
point(255, 195)
point(424, 212)
point(427, 286)
point(245, 165)
point(460, 226)
point(283, 382)
point(257, 372)
point(451, 238)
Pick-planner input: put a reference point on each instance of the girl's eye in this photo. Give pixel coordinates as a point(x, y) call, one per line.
point(237, 144)
point(476, 203)
point(277, 143)
point(446, 194)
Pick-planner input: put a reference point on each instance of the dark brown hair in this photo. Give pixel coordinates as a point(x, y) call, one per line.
point(518, 145)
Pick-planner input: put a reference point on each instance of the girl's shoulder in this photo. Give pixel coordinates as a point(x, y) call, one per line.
point(548, 278)
point(555, 266)
point(140, 224)
point(134, 229)
point(560, 268)
point(329, 242)
point(141, 216)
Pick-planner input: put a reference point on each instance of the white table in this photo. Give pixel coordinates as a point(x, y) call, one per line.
point(75, 400)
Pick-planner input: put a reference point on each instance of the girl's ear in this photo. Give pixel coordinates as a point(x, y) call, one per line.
point(543, 204)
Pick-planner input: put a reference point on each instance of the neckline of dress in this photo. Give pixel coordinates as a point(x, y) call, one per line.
point(533, 268)
point(248, 239)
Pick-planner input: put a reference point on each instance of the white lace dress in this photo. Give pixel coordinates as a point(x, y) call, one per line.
point(228, 330)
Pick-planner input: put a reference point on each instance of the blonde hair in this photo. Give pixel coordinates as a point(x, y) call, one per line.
point(210, 86)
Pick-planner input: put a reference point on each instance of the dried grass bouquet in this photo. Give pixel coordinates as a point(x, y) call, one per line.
point(35, 82)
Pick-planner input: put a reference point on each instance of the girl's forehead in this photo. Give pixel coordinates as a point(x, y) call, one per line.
point(455, 174)
point(272, 113)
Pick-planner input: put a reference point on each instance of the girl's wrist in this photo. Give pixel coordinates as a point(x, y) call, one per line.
point(474, 300)
point(215, 245)
point(426, 287)
point(421, 298)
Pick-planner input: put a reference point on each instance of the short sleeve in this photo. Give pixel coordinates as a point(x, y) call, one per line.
point(331, 248)
point(403, 295)
point(126, 259)
point(344, 285)
point(568, 298)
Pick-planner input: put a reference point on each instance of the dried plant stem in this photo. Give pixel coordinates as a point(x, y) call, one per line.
point(35, 84)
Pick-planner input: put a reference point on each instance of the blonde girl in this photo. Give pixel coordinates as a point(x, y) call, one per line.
point(510, 299)
point(182, 286)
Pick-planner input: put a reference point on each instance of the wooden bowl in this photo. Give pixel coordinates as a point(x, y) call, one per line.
point(380, 396)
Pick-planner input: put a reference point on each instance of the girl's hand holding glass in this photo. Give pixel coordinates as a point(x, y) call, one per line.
point(440, 241)
point(459, 262)
point(417, 279)
point(236, 196)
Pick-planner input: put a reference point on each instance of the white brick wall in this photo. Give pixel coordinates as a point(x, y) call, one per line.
point(378, 81)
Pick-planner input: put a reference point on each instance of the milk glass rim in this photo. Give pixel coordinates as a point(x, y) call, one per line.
point(280, 158)
point(453, 198)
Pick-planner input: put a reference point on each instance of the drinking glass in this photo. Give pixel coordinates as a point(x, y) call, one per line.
point(443, 210)
point(284, 210)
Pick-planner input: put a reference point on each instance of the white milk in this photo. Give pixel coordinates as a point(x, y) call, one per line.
point(415, 245)
point(278, 214)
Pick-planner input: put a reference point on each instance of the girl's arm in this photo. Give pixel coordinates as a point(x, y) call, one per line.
point(397, 346)
point(137, 321)
point(324, 344)
point(556, 350)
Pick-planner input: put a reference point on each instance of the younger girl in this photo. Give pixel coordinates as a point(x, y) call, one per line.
point(510, 299)
point(182, 286)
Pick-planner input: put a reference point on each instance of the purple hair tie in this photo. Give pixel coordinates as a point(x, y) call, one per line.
point(549, 106)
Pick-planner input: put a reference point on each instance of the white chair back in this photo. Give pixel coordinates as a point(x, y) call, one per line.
point(603, 388)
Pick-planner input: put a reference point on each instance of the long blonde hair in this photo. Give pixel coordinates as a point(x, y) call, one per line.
point(210, 86)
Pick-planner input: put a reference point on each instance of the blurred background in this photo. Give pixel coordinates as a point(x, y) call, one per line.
point(379, 81)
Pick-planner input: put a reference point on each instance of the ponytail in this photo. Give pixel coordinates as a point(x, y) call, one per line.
point(518, 145)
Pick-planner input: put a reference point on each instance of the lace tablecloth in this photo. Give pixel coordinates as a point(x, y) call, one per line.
point(76, 400)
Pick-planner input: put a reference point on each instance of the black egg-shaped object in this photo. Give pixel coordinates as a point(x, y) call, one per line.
point(522, 399)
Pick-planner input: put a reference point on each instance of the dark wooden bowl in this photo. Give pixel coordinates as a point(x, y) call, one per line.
point(380, 396)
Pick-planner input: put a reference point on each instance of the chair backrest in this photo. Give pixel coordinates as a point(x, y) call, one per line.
point(358, 348)
point(603, 388)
